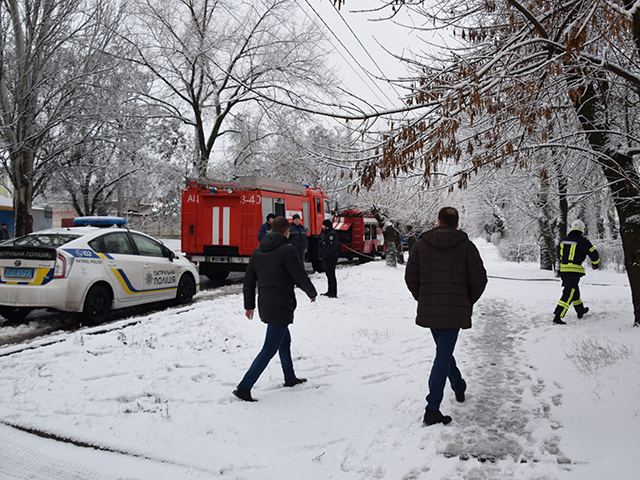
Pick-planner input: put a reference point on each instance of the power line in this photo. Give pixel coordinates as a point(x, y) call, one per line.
point(363, 47)
point(351, 55)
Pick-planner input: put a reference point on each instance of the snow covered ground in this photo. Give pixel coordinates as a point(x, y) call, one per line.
point(153, 400)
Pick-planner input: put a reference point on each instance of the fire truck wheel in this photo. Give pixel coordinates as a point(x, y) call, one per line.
point(186, 289)
point(217, 276)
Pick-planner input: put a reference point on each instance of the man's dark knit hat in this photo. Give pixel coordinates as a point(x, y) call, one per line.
point(327, 223)
point(271, 215)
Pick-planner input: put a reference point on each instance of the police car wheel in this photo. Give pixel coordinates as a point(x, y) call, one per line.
point(186, 289)
point(97, 305)
point(14, 314)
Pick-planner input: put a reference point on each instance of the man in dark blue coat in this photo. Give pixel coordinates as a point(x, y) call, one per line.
point(275, 268)
point(330, 251)
point(266, 226)
point(574, 249)
point(298, 237)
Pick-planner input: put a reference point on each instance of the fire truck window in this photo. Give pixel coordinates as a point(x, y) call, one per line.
point(278, 207)
point(267, 207)
point(318, 206)
point(367, 232)
point(305, 214)
point(327, 207)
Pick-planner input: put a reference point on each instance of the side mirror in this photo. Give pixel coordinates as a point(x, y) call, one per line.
point(169, 254)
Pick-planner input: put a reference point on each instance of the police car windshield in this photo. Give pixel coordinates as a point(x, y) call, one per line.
point(45, 239)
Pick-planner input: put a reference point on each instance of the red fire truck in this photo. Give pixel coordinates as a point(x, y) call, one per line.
point(220, 221)
point(359, 234)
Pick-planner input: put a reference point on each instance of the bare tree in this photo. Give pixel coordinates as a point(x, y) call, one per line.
point(212, 57)
point(49, 50)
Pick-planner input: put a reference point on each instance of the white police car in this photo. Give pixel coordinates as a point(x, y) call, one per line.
point(92, 267)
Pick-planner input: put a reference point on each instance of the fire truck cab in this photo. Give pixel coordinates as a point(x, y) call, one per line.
point(220, 221)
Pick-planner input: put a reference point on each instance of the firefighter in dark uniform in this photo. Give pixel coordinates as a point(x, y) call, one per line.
point(330, 251)
point(574, 249)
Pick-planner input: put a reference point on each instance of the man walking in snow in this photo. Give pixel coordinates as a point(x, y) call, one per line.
point(275, 268)
point(445, 274)
point(574, 249)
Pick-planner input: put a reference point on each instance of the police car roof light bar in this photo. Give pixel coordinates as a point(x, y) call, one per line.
point(99, 221)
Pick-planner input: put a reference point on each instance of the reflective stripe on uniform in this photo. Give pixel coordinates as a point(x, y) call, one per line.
point(565, 305)
point(571, 268)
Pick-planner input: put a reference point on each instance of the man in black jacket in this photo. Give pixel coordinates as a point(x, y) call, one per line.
point(274, 266)
point(574, 249)
point(330, 250)
point(298, 237)
point(445, 274)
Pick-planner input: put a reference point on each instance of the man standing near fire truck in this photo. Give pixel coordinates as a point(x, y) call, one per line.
point(330, 251)
point(298, 237)
point(275, 268)
point(266, 226)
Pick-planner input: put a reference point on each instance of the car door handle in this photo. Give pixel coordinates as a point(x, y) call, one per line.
point(112, 264)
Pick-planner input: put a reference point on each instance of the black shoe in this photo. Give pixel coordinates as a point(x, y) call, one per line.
point(460, 396)
point(431, 417)
point(244, 394)
point(295, 382)
point(586, 310)
point(325, 294)
point(558, 321)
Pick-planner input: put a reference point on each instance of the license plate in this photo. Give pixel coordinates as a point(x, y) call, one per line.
point(18, 272)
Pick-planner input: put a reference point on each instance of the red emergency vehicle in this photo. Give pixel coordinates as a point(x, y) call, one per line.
point(220, 221)
point(359, 234)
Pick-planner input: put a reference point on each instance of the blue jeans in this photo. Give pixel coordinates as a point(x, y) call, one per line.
point(444, 366)
point(278, 339)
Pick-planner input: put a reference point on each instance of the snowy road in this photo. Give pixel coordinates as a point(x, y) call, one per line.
point(154, 398)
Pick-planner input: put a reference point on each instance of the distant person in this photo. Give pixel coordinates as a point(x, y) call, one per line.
point(4, 232)
point(574, 249)
point(274, 267)
point(266, 226)
point(445, 274)
point(330, 251)
point(298, 237)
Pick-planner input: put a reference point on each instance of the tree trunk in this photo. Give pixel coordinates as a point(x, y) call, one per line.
point(547, 237)
point(22, 166)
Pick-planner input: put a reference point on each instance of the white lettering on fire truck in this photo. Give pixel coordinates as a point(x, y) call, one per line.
point(253, 199)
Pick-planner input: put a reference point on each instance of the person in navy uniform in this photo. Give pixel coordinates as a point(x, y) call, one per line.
point(330, 250)
point(298, 237)
point(266, 226)
point(574, 249)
